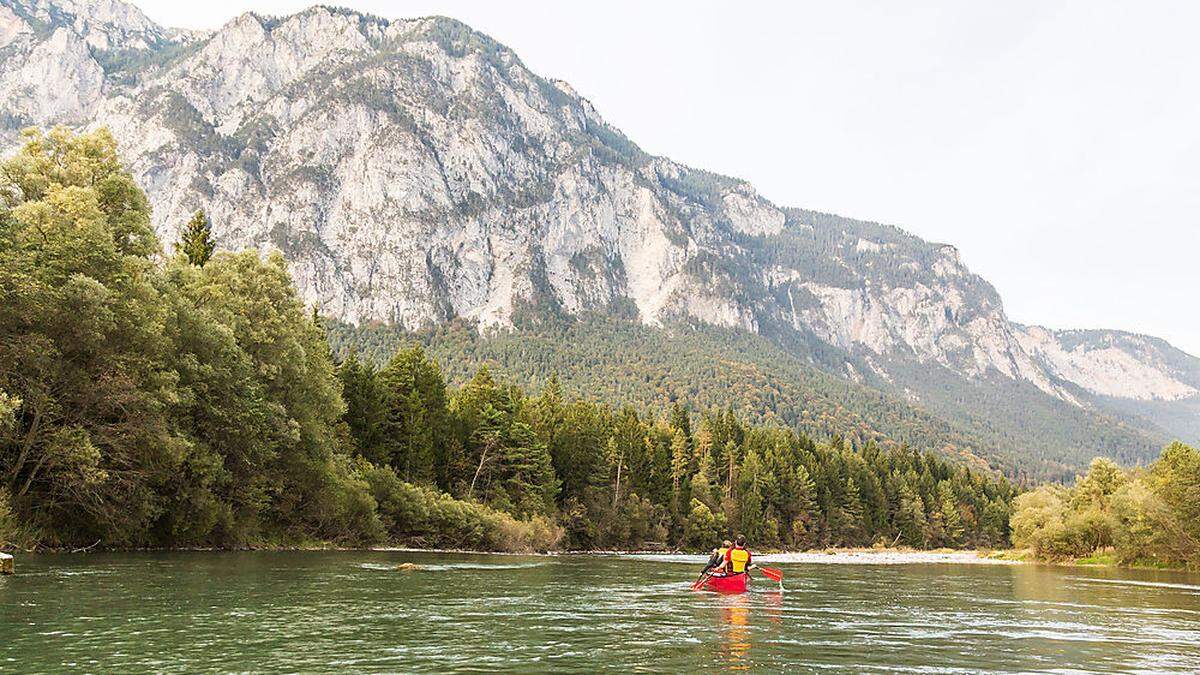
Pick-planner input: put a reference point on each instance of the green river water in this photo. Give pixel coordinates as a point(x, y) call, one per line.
point(353, 611)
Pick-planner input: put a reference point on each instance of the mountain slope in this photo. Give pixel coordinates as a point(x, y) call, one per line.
point(415, 172)
point(620, 361)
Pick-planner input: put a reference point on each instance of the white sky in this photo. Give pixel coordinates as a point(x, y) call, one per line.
point(1057, 144)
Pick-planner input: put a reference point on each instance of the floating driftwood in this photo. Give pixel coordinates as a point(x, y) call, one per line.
point(406, 567)
point(6, 564)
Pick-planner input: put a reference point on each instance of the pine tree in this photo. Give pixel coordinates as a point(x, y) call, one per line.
point(752, 519)
point(910, 517)
point(850, 515)
point(703, 487)
point(196, 240)
point(527, 472)
point(949, 515)
point(366, 413)
point(729, 461)
point(681, 461)
point(681, 421)
point(418, 419)
point(805, 504)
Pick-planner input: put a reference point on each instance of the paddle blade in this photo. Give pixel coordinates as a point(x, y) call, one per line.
point(772, 573)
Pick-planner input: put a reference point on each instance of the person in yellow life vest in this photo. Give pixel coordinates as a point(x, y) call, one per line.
point(737, 559)
point(718, 556)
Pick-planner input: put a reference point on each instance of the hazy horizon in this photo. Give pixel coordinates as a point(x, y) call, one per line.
point(1054, 144)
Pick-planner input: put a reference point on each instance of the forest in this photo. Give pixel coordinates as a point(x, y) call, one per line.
point(191, 400)
point(616, 359)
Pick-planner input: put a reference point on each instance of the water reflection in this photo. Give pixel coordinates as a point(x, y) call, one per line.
point(739, 616)
point(735, 641)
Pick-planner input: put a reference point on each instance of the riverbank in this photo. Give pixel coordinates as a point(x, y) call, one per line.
point(847, 556)
point(1105, 559)
point(891, 557)
point(833, 556)
point(844, 556)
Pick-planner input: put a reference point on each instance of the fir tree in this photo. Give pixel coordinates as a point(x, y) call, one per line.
point(850, 515)
point(949, 515)
point(196, 240)
point(366, 409)
point(804, 504)
point(910, 517)
point(527, 472)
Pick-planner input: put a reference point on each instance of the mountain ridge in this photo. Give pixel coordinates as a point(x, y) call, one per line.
point(414, 171)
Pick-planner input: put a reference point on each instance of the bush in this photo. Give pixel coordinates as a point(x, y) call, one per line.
point(1139, 517)
point(352, 517)
point(9, 532)
point(423, 517)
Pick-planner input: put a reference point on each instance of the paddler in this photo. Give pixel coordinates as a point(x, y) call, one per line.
point(718, 556)
point(737, 558)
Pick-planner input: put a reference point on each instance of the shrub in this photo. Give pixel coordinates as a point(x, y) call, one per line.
point(1143, 517)
point(424, 517)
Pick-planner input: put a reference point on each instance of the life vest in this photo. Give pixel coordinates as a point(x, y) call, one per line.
point(738, 559)
point(717, 558)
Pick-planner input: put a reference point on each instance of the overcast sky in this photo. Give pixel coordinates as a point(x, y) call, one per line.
point(1057, 144)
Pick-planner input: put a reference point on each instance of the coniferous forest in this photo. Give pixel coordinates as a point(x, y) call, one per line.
point(192, 400)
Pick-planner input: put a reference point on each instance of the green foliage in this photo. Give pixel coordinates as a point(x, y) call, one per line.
point(1147, 516)
point(82, 341)
point(418, 423)
point(196, 240)
point(622, 479)
point(10, 531)
point(368, 410)
point(159, 405)
point(424, 517)
point(702, 527)
point(8, 409)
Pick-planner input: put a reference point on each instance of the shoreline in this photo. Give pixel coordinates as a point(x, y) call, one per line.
point(834, 556)
point(824, 556)
point(892, 557)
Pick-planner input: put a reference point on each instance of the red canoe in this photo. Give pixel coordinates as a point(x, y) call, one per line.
point(735, 583)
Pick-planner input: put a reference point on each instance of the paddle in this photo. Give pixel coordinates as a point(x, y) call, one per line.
point(700, 579)
point(772, 573)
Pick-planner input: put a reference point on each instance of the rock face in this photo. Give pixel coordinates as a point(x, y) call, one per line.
point(1115, 364)
point(414, 170)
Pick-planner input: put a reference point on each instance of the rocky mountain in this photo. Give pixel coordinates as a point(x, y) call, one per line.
point(415, 171)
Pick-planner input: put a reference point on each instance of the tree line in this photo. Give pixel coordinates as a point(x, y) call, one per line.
point(192, 400)
point(622, 478)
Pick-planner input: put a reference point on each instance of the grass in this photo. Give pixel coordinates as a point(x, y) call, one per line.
point(1098, 560)
point(1014, 554)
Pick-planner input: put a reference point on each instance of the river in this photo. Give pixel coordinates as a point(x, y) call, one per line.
point(329, 611)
